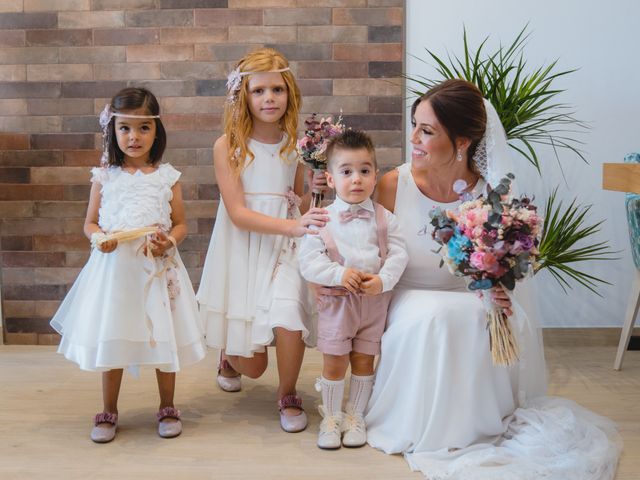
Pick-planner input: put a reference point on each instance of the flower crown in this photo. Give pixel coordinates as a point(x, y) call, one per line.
point(105, 117)
point(234, 80)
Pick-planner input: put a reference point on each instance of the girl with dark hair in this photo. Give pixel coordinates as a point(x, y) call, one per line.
point(129, 100)
point(133, 303)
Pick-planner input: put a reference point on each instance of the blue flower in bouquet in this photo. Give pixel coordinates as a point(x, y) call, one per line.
point(456, 247)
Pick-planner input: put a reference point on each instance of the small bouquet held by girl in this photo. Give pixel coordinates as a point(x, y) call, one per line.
point(313, 145)
point(493, 240)
point(497, 239)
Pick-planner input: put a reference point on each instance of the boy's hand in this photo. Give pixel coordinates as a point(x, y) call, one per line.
point(352, 279)
point(371, 284)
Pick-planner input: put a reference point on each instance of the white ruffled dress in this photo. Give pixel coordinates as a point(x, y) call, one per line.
point(250, 281)
point(118, 312)
point(440, 401)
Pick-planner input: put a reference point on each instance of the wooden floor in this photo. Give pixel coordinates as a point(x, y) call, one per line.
point(46, 406)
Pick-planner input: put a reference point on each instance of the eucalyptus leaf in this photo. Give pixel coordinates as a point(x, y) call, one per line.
point(501, 189)
point(508, 280)
point(494, 217)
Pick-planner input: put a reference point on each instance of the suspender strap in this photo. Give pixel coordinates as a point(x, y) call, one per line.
point(330, 245)
point(381, 227)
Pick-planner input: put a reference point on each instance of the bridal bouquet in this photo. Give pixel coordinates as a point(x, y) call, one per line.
point(493, 240)
point(313, 145)
point(496, 239)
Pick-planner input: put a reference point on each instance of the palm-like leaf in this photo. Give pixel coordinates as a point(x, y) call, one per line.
point(563, 229)
point(525, 102)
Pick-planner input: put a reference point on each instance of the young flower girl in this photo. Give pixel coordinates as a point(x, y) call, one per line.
point(251, 294)
point(133, 303)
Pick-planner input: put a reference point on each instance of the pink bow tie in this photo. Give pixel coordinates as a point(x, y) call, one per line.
point(347, 215)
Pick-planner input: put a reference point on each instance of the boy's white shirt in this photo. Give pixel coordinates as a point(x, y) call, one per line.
point(357, 242)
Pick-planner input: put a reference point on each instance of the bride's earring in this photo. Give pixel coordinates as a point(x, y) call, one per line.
point(459, 156)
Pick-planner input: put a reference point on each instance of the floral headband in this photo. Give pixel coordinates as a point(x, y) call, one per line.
point(105, 117)
point(234, 79)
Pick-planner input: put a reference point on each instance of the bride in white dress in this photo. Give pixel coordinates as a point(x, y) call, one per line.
point(438, 398)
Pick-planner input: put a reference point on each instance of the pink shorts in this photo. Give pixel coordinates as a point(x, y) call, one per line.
point(351, 323)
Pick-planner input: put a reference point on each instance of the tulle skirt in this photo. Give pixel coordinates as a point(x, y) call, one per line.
point(115, 317)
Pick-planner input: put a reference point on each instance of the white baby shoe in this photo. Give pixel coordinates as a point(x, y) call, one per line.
point(330, 430)
point(354, 428)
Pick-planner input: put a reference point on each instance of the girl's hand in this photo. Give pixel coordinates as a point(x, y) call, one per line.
point(315, 216)
point(371, 284)
point(500, 298)
point(159, 243)
point(352, 280)
point(317, 181)
point(108, 246)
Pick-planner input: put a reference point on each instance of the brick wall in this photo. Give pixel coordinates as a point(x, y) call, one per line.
point(60, 60)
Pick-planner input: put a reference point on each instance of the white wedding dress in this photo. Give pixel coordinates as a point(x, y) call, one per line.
point(440, 401)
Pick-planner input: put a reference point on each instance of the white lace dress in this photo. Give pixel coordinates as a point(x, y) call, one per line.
point(440, 401)
point(109, 319)
point(250, 281)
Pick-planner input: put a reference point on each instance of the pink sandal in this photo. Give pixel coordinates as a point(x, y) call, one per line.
point(228, 384)
point(101, 433)
point(169, 429)
point(292, 423)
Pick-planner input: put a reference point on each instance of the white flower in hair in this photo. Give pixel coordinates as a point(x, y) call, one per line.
point(233, 81)
point(105, 116)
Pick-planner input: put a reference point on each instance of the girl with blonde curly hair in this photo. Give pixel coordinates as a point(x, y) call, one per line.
point(251, 294)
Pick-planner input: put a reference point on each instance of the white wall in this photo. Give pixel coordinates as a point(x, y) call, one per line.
point(601, 39)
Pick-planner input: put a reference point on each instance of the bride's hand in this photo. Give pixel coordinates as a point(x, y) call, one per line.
point(500, 298)
point(315, 216)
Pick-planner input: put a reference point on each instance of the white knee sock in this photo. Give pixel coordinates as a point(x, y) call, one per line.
point(359, 392)
point(332, 393)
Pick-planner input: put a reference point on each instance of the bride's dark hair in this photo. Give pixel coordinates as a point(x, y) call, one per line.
point(459, 107)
